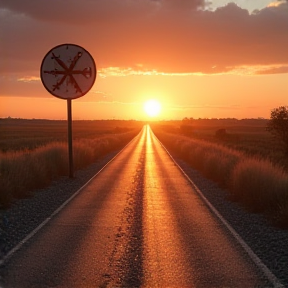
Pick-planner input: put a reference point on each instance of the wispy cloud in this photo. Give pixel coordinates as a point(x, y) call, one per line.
point(277, 3)
point(205, 107)
point(28, 79)
point(237, 70)
point(122, 72)
point(259, 69)
point(273, 70)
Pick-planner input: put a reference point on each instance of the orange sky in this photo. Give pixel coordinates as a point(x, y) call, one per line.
point(202, 60)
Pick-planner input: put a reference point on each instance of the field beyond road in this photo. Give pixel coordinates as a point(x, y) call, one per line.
point(239, 155)
point(28, 134)
point(138, 223)
point(35, 152)
point(207, 156)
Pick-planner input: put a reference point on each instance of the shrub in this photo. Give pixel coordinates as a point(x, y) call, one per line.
point(278, 125)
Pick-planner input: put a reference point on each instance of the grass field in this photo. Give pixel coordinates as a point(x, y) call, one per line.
point(35, 152)
point(248, 136)
point(22, 134)
point(244, 159)
point(240, 155)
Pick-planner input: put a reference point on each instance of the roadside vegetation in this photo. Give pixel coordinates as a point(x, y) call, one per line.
point(249, 136)
point(255, 177)
point(30, 159)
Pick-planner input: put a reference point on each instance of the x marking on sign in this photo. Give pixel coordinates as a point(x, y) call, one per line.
point(69, 72)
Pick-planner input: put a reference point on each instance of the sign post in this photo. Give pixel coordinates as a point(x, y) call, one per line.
point(68, 72)
point(70, 144)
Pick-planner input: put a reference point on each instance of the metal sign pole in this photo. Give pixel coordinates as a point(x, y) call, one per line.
point(68, 71)
point(70, 145)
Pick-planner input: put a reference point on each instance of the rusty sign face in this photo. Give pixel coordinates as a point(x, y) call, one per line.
point(68, 71)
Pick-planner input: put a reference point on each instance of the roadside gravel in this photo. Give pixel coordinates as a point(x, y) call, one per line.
point(268, 243)
point(26, 214)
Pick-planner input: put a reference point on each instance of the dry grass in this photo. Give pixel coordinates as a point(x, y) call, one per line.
point(23, 134)
point(256, 183)
point(23, 171)
point(261, 187)
point(248, 136)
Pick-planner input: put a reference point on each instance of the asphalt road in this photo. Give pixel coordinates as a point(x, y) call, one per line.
point(139, 223)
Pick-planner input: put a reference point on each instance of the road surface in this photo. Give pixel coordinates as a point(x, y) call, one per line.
point(138, 223)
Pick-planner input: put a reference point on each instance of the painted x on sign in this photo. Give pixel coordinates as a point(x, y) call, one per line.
point(68, 71)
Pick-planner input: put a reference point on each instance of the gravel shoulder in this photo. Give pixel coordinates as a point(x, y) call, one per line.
point(26, 214)
point(269, 243)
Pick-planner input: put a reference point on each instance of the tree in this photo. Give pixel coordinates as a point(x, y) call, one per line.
point(278, 125)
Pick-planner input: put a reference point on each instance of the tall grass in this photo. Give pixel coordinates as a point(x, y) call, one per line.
point(248, 138)
point(261, 187)
point(23, 171)
point(256, 183)
point(21, 134)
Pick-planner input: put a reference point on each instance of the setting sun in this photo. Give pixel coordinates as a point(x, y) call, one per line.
point(152, 108)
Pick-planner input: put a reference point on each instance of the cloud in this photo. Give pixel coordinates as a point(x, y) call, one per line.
point(86, 11)
point(259, 69)
point(183, 4)
point(79, 12)
point(273, 70)
point(136, 71)
point(276, 3)
point(148, 36)
point(28, 79)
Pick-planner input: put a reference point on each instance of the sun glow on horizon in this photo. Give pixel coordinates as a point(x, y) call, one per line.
point(152, 107)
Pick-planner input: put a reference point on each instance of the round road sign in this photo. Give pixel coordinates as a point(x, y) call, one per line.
point(68, 71)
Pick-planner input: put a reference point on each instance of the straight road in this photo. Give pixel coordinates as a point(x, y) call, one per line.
point(139, 223)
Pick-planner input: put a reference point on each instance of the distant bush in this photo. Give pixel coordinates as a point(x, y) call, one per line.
point(278, 125)
point(257, 184)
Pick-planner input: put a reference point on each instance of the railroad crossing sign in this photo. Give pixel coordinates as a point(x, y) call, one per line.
point(68, 71)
